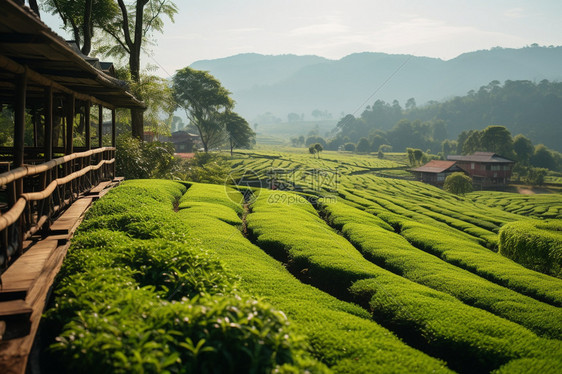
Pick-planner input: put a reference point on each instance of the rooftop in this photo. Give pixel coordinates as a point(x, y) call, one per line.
point(437, 166)
point(481, 157)
point(27, 42)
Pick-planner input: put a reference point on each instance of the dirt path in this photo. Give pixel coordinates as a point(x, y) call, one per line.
point(525, 191)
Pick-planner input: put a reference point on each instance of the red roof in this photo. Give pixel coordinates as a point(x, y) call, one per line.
point(481, 157)
point(185, 155)
point(437, 166)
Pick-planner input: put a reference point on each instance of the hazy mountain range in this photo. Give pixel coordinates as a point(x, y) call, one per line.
point(300, 84)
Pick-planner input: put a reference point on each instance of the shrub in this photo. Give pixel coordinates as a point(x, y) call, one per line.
point(350, 147)
point(132, 296)
point(137, 159)
point(391, 251)
point(458, 183)
point(534, 244)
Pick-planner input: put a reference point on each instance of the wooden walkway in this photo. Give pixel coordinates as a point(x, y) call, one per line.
point(27, 283)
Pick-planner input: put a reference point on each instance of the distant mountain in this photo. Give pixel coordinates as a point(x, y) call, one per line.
point(299, 84)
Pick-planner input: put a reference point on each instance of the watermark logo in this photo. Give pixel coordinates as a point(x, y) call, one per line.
point(247, 182)
point(298, 179)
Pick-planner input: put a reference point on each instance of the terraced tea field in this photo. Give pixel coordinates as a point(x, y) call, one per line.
point(327, 268)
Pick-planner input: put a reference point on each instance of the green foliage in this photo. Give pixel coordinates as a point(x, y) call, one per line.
point(363, 146)
point(239, 133)
point(340, 334)
point(80, 20)
point(523, 148)
point(156, 93)
point(458, 183)
point(321, 257)
point(376, 240)
point(534, 244)
point(538, 205)
point(137, 159)
point(204, 100)
point(312, 140)
point(205, 168)
point(350, 147)
point(535, 176)
point(131, 304)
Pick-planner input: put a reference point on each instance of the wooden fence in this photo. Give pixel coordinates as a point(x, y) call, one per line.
point(33, 195)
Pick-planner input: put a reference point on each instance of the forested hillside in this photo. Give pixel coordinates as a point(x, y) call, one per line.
point(524, 107)
point(300, 84)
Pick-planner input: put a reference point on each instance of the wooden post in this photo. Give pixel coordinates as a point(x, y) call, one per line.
point(19, 119)
point(19, 131)
point(36, 121)
point(113, 142)
point(88, 124)
point(70, 114)
point(100, 126)
point(48, 138)
point(113, 129)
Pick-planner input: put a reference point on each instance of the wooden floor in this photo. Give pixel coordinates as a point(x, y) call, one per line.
point(26, 284)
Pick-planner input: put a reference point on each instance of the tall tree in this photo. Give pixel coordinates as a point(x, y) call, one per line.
point(128, 23)
point(523, 148)
point(131, 30)
point(82, 17)
point(497, 139)
point(204, 99)
point(238, 131)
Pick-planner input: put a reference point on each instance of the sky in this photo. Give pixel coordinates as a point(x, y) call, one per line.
point(210, 29)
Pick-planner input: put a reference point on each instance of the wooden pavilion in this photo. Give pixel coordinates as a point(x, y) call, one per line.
point(54, 154)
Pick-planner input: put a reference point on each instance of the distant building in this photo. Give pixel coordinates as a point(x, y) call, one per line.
point(435, 171)
point(184, 142)
point(487, 169)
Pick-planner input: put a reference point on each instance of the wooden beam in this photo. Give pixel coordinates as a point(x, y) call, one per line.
point(48, 138)
point(15, 68)
point(70, 114)
point(87, 124)
point(113, 128)
point(100, 126)
point(19, 118)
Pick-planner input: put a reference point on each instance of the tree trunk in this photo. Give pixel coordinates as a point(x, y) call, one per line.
point(87, 27)
point(34, 7)
point(137, 123)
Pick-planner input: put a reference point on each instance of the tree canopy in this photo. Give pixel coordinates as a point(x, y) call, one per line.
point(238, 131)
point(126, 30)
point(458, 183)
point(208, 107)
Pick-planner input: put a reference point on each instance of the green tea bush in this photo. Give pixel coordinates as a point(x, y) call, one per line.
point(534, 244)
point(340, 334)
point(133, 296)
point(467, 338)
point(483, 262)
point(391, 251)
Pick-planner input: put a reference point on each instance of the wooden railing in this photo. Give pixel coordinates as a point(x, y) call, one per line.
point(35, 194)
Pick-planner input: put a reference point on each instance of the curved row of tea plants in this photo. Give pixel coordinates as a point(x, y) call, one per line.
point(340, 334)
point(538, 205)
point(134, 296)
point(460, 249)
point(467, 338)
point(535, 244)
point(391, 251)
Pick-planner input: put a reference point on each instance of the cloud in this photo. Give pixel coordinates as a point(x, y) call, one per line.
point(319, 29)
point(515, 13)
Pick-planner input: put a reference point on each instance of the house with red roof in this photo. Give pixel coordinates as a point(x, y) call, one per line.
point(487, 169)
point(435, 171)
